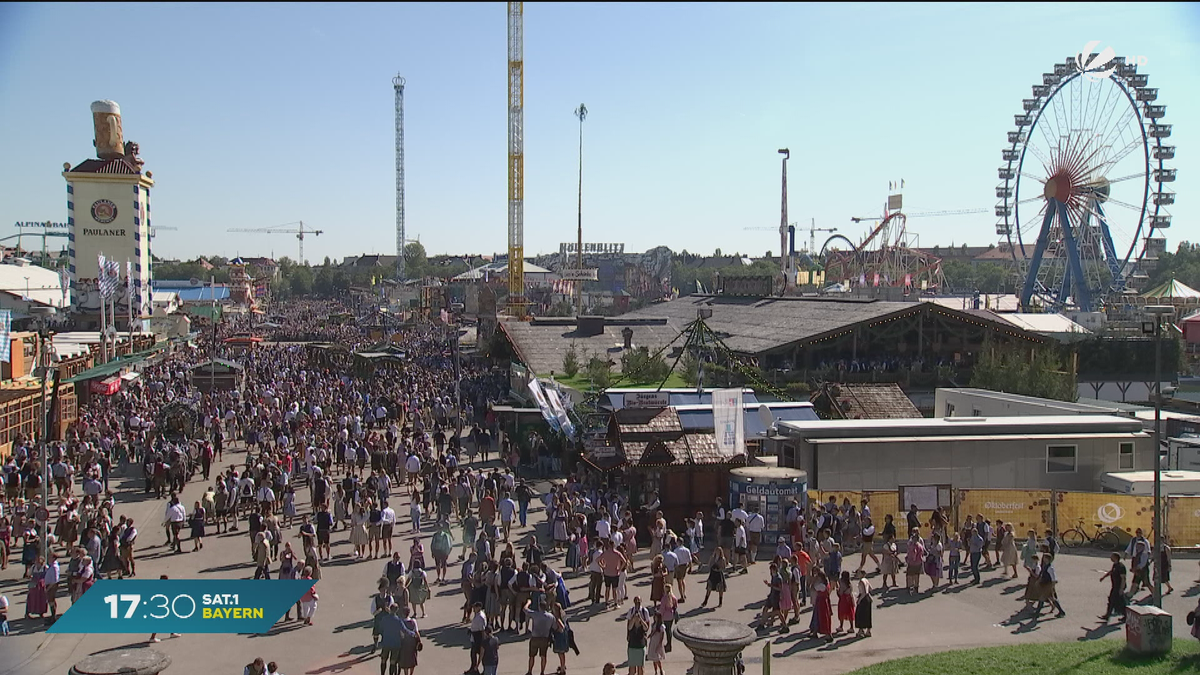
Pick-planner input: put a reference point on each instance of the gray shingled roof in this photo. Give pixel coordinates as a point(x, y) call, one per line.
point(754, 325)
point(747, 325)
point(542, 344)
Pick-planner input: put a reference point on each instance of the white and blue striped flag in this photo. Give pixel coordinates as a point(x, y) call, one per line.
point(6, 335)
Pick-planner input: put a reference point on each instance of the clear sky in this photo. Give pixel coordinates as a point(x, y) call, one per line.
point(257, 115)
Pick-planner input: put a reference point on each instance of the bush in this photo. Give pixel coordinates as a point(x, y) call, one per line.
point(570, 362)
point(600, 372)
point(798, 389)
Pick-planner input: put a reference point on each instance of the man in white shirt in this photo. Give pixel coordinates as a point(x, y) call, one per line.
point(413, 466)
point(388, 520)
point(507, 508)
point(175, 517)
point(754, 526)
point(684, 555)
point(266, 496)
point(739, 544)
point(52, 578)
point(603, 527)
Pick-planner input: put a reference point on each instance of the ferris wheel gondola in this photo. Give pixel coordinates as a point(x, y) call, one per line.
point(1084, 184)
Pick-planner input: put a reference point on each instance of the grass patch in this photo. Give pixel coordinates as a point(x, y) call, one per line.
point(1094, 657)
point(581, 382)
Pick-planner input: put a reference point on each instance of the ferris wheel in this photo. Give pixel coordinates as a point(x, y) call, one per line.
point(1084, 182)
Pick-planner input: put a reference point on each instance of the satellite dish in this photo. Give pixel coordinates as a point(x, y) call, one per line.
point(765, 416)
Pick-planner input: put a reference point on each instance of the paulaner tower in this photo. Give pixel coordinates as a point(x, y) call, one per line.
point(108, 210)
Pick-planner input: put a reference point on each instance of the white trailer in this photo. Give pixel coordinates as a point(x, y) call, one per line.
point(1142, 482)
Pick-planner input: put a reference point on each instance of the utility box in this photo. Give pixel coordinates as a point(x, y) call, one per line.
point(1148, 630)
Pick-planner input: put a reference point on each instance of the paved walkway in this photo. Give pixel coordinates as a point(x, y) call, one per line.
point(339, 640)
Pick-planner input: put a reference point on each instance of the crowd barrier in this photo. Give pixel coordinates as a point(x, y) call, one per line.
point(1042, 510)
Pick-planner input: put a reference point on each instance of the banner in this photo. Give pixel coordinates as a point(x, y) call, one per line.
point(560, 411)
point(539, 399)
point(729, 426)
point(1025, 509)
point(6, 335)
point(1084, 510)
point(1183, 521)
point(181, 606)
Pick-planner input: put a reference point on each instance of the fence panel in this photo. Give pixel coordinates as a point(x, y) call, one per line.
point(1084, 510)
point(1025, 509)
point(1183, 521)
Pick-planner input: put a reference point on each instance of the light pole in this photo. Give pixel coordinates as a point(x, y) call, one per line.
point(580, 112)
point(42, 316)
point(1159, 312)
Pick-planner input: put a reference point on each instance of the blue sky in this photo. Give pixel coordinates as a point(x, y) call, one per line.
point(257, 115)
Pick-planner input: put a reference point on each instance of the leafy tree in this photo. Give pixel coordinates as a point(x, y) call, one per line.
point(1037, 372)
point(570, 362)
point(416, 265)
point(688, 367)
point(1183, 264)
point(599, 370)
point(640, 366)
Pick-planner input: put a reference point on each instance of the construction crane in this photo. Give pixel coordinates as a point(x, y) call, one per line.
point(812, 232)
point(929, 214)
point(516, 162)
point(299, 232)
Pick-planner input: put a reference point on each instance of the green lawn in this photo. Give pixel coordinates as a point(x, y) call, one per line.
point(581, 382)
point(1096, 657)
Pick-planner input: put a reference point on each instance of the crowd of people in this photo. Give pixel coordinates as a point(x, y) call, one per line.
point(330, 453)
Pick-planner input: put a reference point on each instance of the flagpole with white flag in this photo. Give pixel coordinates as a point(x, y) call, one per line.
point(100, 289)
point(129, 298)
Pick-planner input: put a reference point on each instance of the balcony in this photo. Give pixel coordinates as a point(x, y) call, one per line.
point(1164, 198)
point(1023, 120)
point(1003, 229)
point(1138, 80)
point(1156, 112)
point(1007, 173)
point(1164, 152)
point(1050, 79)
point(1010, 155)
point(1147, 94)
point(1164, 175)
point(1003, 210)
point(1031, 104)
point(1160, 222)
point(1004, 192)
point(1041, 90)
point(1016, 137)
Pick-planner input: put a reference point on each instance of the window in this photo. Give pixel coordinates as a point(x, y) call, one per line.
point(1060, 458)
point(949, 409)
point(976, 412)
point(1125, 456)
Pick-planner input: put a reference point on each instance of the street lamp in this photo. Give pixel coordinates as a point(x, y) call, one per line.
point(42, 315)
point(1159, 312)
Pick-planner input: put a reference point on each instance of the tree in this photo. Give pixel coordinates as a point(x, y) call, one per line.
point(1183, 264)
point(599, 370)
point(416, 265)
point(638, 365)
point(1038, 372)
point(570, 362)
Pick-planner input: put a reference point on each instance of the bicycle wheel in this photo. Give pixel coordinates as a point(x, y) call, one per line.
point(1107, 541)
point(1073, 538)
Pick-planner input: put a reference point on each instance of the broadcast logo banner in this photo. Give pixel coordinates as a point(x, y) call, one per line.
point(181, 606)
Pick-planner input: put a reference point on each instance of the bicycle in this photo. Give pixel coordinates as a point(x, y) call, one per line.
point(1104, 538)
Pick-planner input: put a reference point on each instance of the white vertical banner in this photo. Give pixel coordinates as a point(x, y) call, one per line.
point(729, 424)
